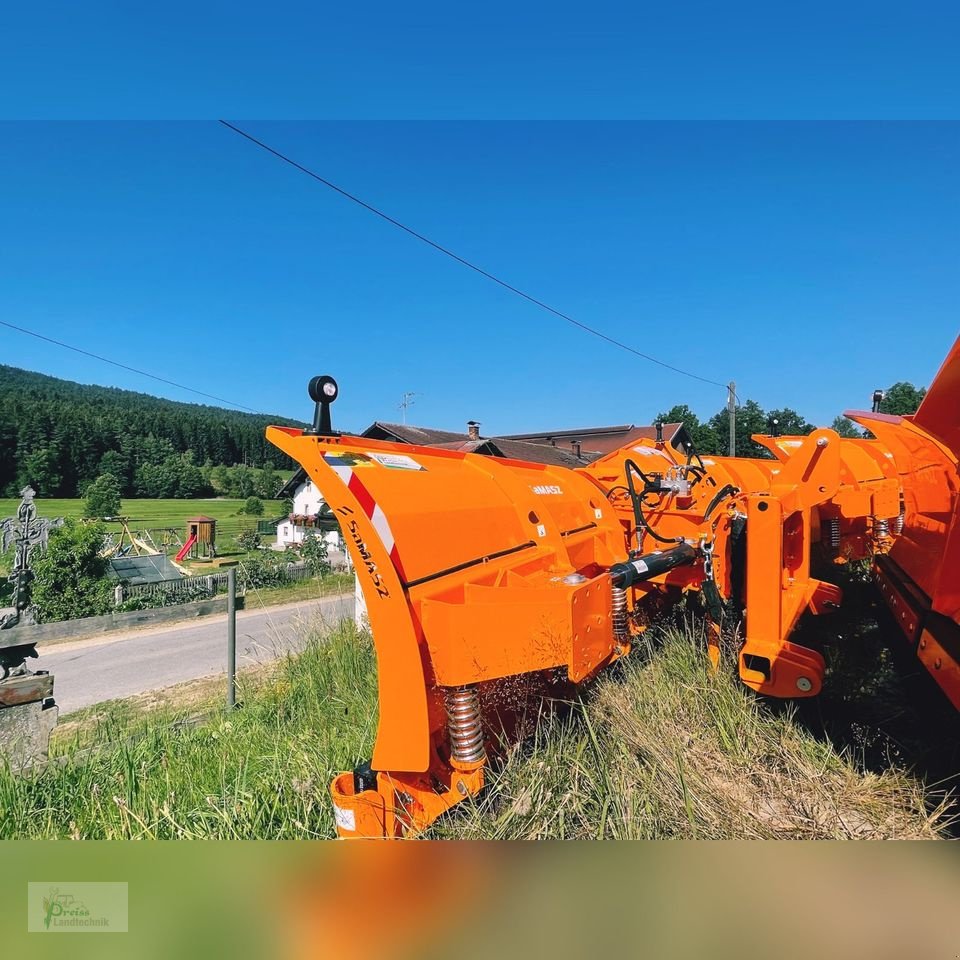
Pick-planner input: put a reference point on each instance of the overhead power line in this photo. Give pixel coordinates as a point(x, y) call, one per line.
point(123, 366)
point(461, 260)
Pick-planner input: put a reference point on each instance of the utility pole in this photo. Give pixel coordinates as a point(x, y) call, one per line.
point(231, 638)
point(732, 410)
point(406, 400)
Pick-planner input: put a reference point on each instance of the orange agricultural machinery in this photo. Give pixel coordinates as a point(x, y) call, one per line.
point(487, 579)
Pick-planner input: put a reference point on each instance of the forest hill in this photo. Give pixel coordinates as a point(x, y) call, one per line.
point(59, 436)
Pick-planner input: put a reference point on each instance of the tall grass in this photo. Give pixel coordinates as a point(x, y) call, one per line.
point(669, 748)
point(660, 747)
point(261, 771)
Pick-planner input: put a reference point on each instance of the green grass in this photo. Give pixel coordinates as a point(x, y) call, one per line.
point(301, 590)
point(659, 748)
point(258, 772)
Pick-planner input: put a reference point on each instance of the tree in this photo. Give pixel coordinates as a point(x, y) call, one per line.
point(789, 423)
point(846, 428)
point(70, 578)
point(40, 468)
point(253, 507)
point(103, 497)
point(902, 398)
point(703, 435)
point(240, 483)
point(268, 482)
point(220, 479)
point(751, 419)
point(314, 552)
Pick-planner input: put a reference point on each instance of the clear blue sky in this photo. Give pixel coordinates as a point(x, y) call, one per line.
point(745, 191)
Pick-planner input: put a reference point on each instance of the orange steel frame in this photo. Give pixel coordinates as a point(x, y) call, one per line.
point(483, 573)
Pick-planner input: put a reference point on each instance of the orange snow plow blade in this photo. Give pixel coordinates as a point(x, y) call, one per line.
point(920, 578)
point(464, 563)
point(489, 582)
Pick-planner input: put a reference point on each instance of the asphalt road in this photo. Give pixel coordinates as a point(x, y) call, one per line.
point(104, 668)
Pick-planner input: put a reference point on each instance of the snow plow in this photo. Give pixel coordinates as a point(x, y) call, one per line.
point(489, 580)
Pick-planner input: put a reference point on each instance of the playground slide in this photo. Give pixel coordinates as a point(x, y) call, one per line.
point(185, 549)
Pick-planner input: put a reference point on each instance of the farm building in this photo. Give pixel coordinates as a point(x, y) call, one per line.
point(563, 448)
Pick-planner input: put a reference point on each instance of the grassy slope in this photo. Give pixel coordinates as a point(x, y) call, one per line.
point(660, 748)
point(671, 749)
point(261, 771)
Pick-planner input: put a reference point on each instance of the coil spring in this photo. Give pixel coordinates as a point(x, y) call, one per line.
point(896, 525)
point(619, 614)
point(833, 532)
point(463, 725)
point(881, 528)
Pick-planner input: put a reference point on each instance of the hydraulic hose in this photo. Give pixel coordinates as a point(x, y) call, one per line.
point(651, 565)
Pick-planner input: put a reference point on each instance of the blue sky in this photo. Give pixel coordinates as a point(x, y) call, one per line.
point(743, 192)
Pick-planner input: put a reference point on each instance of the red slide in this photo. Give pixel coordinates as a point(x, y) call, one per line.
point(185, 549)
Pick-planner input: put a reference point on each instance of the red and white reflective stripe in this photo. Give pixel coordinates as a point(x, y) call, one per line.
point(374, 514)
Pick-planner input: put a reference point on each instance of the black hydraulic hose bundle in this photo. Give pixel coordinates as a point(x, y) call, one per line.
point(636, 500)
point(728, 490)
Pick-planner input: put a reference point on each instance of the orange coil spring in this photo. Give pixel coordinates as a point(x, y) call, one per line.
point(463, 725)
point(619, 614)
point(833, 532)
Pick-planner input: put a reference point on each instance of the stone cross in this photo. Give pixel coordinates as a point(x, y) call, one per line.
point(26, 531)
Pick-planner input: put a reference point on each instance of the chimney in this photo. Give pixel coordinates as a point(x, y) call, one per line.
point(473, 428)
point(576, 448)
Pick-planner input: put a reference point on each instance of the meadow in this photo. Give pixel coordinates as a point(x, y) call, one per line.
point(158, 514)
point(153, 514)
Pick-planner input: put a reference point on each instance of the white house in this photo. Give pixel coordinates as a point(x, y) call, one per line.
point(309, 513)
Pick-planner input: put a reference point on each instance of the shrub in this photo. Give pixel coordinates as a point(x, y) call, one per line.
point(314, 552)
point(260, 571)
point(248, 540)
point(70, 578)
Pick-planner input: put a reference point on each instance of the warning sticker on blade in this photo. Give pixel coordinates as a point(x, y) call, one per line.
point(397, 461)
point(345, 459)
point(346, 819)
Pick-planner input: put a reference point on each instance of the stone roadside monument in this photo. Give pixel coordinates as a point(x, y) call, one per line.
point(27, 710)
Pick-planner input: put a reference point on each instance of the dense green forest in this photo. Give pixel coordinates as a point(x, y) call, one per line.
point(59, 436)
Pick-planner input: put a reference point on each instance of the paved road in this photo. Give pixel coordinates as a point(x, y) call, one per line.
point(103, 668)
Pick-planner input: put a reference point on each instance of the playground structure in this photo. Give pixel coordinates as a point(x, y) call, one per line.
point(201, 539)
point(486, 579)
point(138, 543)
